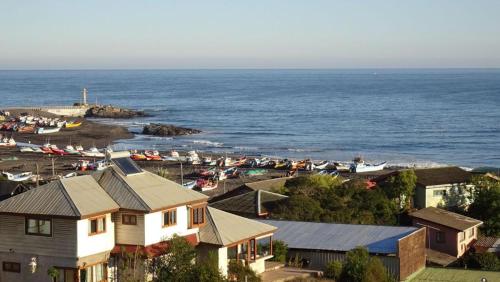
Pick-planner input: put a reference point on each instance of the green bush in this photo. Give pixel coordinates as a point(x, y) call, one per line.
point(239, 272)
point(485, 261)
point(376, 271)
point(334, 270)
point(280, 250)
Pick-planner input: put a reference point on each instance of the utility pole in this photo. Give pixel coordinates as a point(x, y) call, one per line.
point(37, 175)
point(84, 93)
point(53, 168)
point(182, 174)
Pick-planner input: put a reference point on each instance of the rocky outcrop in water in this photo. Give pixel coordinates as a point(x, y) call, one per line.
point(158, 129)
point(113, 112)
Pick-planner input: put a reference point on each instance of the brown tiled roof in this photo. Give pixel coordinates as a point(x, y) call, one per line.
point(442, 175)
point(446, 218)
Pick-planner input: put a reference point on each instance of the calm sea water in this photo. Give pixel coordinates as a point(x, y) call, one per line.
point(423, 117)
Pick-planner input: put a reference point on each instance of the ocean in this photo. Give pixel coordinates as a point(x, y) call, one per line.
point(422, 117)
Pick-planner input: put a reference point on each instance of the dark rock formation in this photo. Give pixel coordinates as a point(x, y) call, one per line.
point(158, 129)
point(112, 112)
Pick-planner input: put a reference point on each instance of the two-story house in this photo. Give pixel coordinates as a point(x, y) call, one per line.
point(79, 225)
point(447, 232)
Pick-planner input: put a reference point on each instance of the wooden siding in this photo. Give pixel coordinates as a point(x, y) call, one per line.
point(61, 244)
point(129, 234)
point(319, 259)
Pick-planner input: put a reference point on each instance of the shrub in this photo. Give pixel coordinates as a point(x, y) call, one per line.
point(280, 249)
point(239, 272)
point(485, 261)
point(376, 272)
point(333, 270)
point(356, 264)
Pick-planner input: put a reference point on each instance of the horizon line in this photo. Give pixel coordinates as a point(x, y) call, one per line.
point(251, 68)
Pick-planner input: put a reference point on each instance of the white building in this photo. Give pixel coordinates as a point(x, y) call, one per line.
point(78, 225)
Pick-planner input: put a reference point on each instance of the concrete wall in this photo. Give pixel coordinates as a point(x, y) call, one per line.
point(129, 234)
point(94, 244)
point(411, 253)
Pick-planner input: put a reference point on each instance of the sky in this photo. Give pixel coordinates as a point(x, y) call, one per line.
point(126, 34)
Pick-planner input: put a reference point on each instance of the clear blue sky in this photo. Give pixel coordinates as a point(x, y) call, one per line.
point(249, 34)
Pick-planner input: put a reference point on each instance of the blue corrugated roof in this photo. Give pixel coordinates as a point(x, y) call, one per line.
point(339, 237)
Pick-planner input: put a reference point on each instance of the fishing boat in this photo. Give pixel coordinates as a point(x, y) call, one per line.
point(99, 165)
point(71, 150)
point(57, 151)
point(79, 148)
point(7, 142)
point(26, 129)
point(240, 161)
point(82, 165)
point(341, 166)
point(93, 152)
point(209, 161)
point(207, 184)
point(138, 157)
point(321, 165)
point(47, 130)
point(359, 165)
point(208, 172)
point(174, 154)
point(189, 185)
point(152, 155)
point(255, 172)
point(231, 172)
point(193, 158)
point(18, 177)
point(72, 124)
point(26, 150)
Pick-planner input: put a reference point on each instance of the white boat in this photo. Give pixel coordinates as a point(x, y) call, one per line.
point(320, 166)
point(359, 165)
point(93, 152)
point(47, 130)
point(7, 142)
point(79, 148)
point(193, 158)
point(189, 185)
point(71, 150)
point(174, 154)
point(18, 177)
point(26, 149)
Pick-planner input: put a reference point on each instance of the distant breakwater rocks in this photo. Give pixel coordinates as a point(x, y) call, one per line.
point(159, 129)
point(113, 112)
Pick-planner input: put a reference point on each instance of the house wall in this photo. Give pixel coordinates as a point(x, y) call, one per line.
point(62, 243)
point(43, 264)
point(202, 251)
point(94, 244)
point(424, 196)
point(129, 234)
point(155, 232)
point(411, 253)
point(452, 245)
point(318, 259)
point(222, 258)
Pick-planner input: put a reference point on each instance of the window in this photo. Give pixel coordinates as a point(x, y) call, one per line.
point(264, 246)
point(94, 273)
point(129, 219)
point(439, 193)
point(170, 217)
point(97, 225)
point(11, 266)
point(440, 237)
point(198, 215)
point(39, 226)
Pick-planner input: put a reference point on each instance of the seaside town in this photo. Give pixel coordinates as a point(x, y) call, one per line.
point(74, 209)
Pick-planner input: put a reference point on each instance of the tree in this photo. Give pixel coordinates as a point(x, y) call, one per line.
point(177, 262)
point(207, 270)
point(485, 206)
point(239, 272)
point(401, 187)
point(298, 207)
point(280, 250)
point(131, 266)
point(53, 273)
point(376, 271)
point(356, 264)
point(334, 270)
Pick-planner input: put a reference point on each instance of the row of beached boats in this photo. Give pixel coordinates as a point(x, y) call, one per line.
point(38, 125)
point(52, 149)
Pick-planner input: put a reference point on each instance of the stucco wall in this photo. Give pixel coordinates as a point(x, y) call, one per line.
point(425, 195)
point(94, 244)
point(155, 232)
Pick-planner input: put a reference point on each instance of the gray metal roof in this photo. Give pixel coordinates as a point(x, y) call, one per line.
point(146, 191)
point(249, 204)
point(339, 237)
point(73, 197)
point(223, 228)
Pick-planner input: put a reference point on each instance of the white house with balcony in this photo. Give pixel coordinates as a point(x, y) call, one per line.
point(80, 225)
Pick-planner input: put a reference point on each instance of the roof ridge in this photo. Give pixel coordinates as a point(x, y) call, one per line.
point(68, 198)
point(216, 229)
point(131, 190)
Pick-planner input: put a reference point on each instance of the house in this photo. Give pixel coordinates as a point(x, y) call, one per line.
point(401, 249)
point(269, 185)
point(442, 186)
point(81, 225)
point(232, 237)
point(11, 188)
point(486, 244)
point(253, 204)
point(447, 232)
